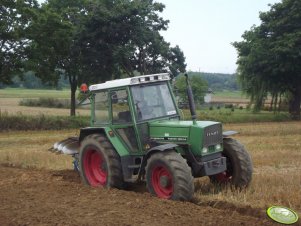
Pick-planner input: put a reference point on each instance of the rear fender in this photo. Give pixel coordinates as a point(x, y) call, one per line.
point(90, 130)
point(110, 134)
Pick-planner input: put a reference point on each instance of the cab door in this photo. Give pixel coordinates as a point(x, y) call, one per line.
point(122, 120)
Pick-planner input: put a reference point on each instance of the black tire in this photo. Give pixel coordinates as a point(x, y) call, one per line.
point(99, 163)
point(168, 176)
point(239, 165)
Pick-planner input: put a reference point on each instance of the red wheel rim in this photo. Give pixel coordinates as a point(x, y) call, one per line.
point(95, 168)
point(162, 182)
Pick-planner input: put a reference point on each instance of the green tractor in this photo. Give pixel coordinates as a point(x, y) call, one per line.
point(137, 134)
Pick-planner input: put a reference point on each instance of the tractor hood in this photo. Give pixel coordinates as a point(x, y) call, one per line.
point(182, 124)
point(199, 134)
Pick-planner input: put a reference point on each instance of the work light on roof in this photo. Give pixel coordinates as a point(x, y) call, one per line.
point(150, 78)
point(134, 81)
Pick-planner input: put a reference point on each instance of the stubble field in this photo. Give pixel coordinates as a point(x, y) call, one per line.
point(40, 188)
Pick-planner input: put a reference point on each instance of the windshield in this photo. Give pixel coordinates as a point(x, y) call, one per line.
point(153, 101)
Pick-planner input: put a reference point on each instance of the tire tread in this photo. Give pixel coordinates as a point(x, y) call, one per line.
point(183, 185)
point(115, 177)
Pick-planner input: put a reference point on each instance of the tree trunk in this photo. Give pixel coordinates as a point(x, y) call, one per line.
point(275, 103)
point(280, 103)
point(272, 102)
point(294, 104)
point(140, 61)
point(73, 99)
point(73, 85)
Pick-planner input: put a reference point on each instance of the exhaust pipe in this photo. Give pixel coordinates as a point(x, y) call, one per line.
point(190, 100)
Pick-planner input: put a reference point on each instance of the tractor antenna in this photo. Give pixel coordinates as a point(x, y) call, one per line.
point(190, 100)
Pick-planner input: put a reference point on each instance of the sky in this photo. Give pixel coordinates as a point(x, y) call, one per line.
point(205, 29)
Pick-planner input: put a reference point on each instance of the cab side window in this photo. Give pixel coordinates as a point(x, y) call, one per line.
point(101, 114)
point(120, 107)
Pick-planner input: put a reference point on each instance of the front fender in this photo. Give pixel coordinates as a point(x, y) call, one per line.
point(229, 133)
point(163, 147)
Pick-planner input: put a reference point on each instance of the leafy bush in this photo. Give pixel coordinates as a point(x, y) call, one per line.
point(40, 122)
point(229, 106)
point(46, 102)
point(228, 116)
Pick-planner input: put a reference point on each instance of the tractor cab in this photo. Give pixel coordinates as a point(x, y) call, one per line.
point(129, 105)
point(142, 98)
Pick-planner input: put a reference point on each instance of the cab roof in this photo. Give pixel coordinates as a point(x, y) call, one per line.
point(130, 81)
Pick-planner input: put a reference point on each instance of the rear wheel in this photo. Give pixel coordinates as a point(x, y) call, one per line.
point(239, 165)
point(99, 163)
point(169, 177)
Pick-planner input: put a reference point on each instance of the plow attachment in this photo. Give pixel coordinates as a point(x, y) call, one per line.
point(69, 146)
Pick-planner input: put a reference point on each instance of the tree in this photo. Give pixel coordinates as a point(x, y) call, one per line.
point(151, 53)
point(217, 81)
point(198, 85)
point(15, 19)
point(176, 61)
point(55, 49)
point(123, 38)
point(269, 59)
point(96, 40)
point(148, 49)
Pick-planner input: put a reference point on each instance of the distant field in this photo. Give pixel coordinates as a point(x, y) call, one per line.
point(33, 93)
point(11, 106)
point(36, 93)
point(237, 116)
point(10, 98)
point(235, 97)
point(230, 94)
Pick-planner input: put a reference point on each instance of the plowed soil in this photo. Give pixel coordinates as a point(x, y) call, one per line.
point(43, 197)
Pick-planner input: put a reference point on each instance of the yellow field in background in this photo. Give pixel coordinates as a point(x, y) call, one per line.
point(11, 106)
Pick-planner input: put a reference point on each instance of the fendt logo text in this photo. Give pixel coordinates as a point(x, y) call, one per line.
point(212, 133)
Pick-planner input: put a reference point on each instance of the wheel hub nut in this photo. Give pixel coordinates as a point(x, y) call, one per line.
point(103, 167)
point(164, 182)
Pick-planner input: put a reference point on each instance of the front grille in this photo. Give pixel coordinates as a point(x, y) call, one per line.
point(213, 135)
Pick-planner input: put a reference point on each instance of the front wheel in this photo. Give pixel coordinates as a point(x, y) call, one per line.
point(99, 163)
point(239, 165)
point(168, 176)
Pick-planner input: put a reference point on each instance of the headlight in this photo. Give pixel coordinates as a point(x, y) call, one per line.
point(218, 147)
point(205, 150)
